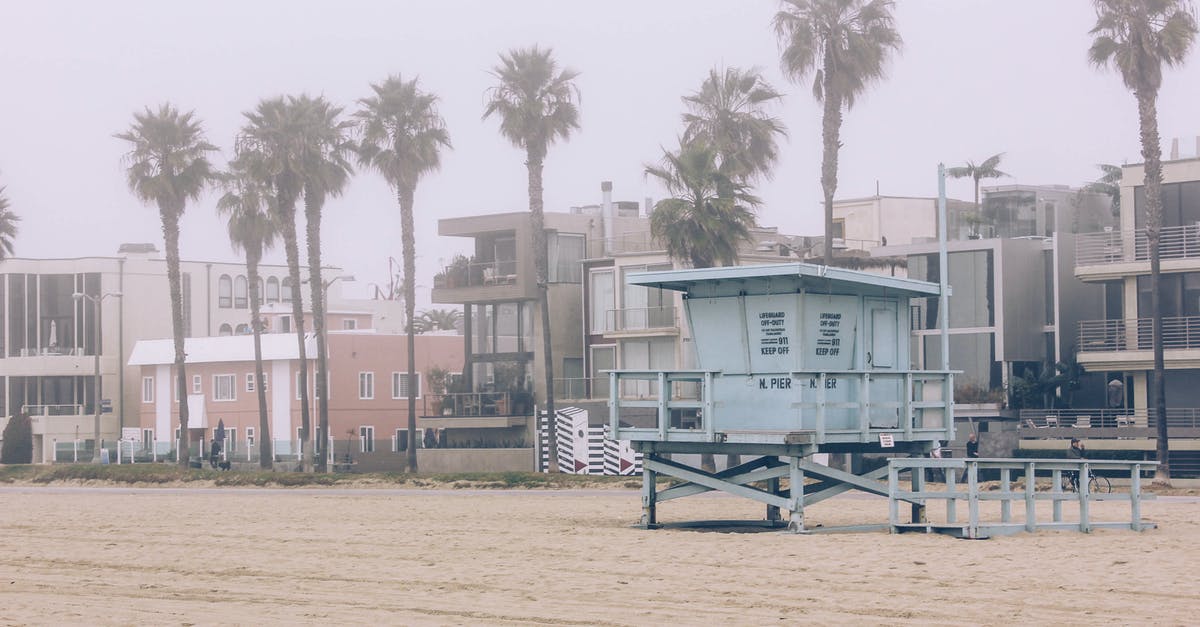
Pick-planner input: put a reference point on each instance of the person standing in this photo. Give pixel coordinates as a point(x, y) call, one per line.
point(973, 445)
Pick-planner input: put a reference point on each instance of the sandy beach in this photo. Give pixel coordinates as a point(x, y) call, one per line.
point(392, 557)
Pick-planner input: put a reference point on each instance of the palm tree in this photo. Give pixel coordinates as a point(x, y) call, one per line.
point(728, 113)
point(252, 229)
point(324, 148)
point(989, 169)
point(438, 320)
point(167, 164)
point(8, 226)
point(1108, 184)
point(844, 44)
point(709, 214)
point(268, 143)
point(537, 105)
point(1137, 37)
point(402, 138)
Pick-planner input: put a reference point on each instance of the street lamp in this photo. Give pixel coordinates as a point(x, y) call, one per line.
point(96, 300)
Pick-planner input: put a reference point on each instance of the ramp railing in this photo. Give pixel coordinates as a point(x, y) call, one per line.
point(1018, 483)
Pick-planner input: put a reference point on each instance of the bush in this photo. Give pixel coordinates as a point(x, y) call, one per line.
point(18, 441)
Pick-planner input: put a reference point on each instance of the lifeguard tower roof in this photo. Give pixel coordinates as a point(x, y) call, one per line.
point(780, 278)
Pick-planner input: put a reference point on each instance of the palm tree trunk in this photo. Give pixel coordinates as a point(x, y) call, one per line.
point(288, 224)
point(831, 128)
point(313, 202)
point(1152, 156)
point(408, 242)
point(170, 228)
point(265, 458)
point(541, 265)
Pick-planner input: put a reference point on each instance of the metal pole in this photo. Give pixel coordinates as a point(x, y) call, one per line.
point(943, 270)
point(96, 381)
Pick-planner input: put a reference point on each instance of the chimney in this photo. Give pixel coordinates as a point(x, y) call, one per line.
point(1174, 149)
point(608, 218)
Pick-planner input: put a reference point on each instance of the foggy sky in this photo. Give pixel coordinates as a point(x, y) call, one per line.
point(976, 77)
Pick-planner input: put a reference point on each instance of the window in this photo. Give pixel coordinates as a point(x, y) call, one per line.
point(147, 389)
point(400, 444)
point(285, 290)
point(366, 385)
point(349, 324)
point(242, 329)
point(565, 254)
point(223, 387)
point(249, 381)
point(839, 229)
point(366, 439)
point(225, 330)
point(196, 385)
point(147, 438)
point(400, 381)
point(285, 324)
point(272, 290)
point(602, 300)
point(224, 292)
point(240, 292)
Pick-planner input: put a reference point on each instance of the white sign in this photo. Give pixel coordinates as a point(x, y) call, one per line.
point(830, 330)
point(886, 440)
point(131, 434)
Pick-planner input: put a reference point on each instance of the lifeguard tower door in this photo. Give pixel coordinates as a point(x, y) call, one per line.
point(882, 352)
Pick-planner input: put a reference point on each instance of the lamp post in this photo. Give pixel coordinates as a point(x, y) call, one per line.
point(322, 439)
point(96, 300)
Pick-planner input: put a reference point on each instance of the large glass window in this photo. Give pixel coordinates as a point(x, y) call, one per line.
point(565, 253)
point(57, 311)
point(644, 307)
point(285, 290)
point(501, 328)
point(16, 314)
point(272, 290)
point(1180, 204)
point(603, 299)
point(1179, 295)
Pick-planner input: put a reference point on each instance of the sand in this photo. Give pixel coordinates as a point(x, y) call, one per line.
point(241, 556)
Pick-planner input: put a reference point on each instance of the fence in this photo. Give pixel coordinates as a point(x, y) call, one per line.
point(1024, 471)
point(1175, 242)
point(1178, 332)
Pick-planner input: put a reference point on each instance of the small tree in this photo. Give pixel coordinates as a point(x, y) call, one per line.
point(18, 441)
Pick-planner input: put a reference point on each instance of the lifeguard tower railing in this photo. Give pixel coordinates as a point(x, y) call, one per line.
point(680, 406)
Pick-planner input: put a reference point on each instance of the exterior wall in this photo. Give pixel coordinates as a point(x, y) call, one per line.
point(349, 355)
point(897, 219)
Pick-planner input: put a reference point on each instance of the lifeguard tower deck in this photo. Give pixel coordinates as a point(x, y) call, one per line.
point(793, 359)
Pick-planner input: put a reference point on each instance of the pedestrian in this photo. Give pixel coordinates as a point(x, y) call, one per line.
point(973, 445)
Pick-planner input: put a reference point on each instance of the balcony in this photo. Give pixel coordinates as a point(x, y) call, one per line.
point(1128, 344)
point(638, 319)
point(476, 409)
point(1113, 254)
point(1120, 424)
point(467, 280)
point(626, 243)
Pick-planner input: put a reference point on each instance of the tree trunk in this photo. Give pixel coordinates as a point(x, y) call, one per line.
point(408, 244)
point(831, 128)
point(1152, 156)
point(541, 264)
point(170, 227)
point(287, 213)
point(313, 202)
point(265, 457)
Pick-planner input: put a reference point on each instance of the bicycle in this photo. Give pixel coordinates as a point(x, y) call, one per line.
point(1096, 483)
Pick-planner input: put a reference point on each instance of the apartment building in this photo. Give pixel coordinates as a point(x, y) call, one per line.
point(52, 343)
point(1115, 341)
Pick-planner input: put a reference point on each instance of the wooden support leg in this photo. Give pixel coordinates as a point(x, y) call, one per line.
point(649, 497)
point(796, 495)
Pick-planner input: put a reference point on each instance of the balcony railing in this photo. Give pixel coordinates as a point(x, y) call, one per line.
point(1177, 418)
point(641, 318)
point(1175, 242)
point(53, 410)
point(639, 242)
point(477, 274)
point(477, 404)
point(1181, 332)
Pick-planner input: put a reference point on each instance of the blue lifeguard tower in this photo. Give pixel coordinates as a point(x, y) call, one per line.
point(792, 360)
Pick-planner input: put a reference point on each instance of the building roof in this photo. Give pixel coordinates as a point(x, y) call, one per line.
point(200, 350)
point(779, 278)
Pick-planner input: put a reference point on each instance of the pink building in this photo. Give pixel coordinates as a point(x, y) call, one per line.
point(368, 393)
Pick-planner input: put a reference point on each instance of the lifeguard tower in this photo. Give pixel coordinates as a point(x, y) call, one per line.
point(793, 359)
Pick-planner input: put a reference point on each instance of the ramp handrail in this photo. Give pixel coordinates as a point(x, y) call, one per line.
point(1026, 470)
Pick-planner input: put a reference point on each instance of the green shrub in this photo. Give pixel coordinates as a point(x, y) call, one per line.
point(18, 441)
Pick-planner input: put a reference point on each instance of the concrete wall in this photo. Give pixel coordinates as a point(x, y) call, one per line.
point(448, 460)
